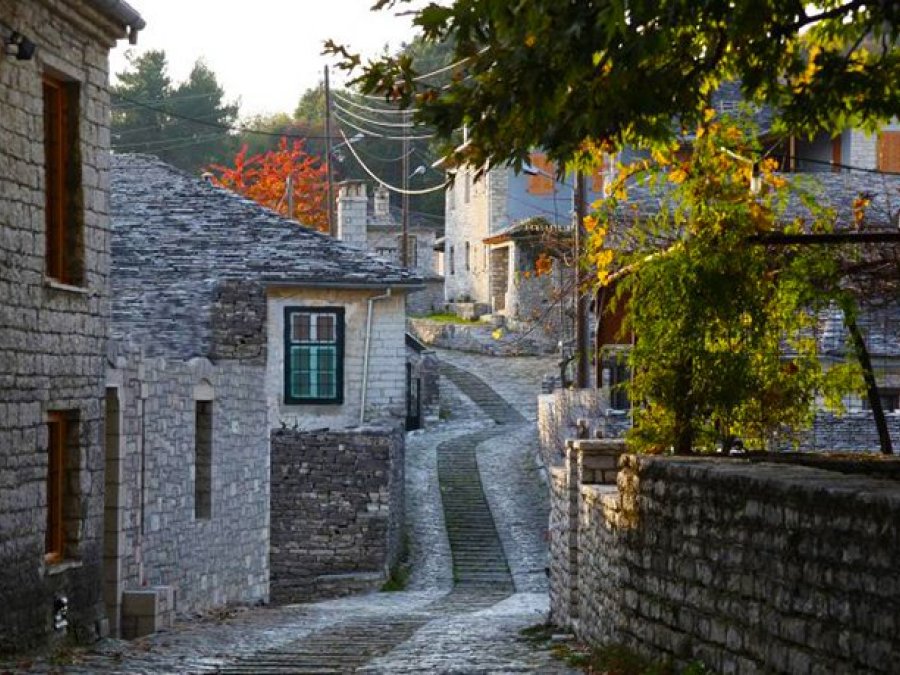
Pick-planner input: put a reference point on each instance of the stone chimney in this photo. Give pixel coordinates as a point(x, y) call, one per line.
point(351, 213)
point(382, 203)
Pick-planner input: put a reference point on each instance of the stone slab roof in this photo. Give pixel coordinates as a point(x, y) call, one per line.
point(175, 238)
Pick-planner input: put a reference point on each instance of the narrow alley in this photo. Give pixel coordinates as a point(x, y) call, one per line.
point(476, 521)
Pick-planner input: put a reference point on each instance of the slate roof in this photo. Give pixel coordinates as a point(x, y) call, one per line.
point(834, 190)
point(176, 237)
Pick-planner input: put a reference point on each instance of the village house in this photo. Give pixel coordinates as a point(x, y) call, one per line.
point(234, 328)
point(54, 266)
point(372, 225)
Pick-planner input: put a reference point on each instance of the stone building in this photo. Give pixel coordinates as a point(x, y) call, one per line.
point(54, 266)
point(371, 225)
point(497, 226)
point(230, 322)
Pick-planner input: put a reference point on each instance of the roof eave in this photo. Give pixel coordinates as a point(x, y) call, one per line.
point(123, 13)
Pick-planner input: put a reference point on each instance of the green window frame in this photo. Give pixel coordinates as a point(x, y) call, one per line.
point(314, 355)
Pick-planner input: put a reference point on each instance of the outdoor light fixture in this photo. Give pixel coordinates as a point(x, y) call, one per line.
point(19, 46)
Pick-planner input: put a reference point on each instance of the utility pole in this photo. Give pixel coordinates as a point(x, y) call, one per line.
point(332, 230)
point(404, 235)
point(289, 194)
point(582, 339)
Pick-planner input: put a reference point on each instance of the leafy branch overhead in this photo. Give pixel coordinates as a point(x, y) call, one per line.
point(543, 73)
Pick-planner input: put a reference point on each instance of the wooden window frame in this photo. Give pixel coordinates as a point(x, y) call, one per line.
point(289, 397)
point(57, 442)
point(63, 250)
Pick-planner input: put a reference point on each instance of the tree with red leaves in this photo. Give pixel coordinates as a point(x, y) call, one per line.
point(265, 177)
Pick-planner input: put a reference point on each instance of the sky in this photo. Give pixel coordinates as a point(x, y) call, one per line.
point(266, 52)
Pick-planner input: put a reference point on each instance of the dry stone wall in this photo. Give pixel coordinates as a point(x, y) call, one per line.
point(336, 510)
point(748, 567)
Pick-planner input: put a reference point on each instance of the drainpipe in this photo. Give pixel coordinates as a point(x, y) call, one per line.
point(365, 381)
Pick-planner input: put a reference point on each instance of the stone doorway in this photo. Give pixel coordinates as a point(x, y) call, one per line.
point(112, 513)
point(499, 277)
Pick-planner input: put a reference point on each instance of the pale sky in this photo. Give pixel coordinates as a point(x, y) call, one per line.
point(267, 52)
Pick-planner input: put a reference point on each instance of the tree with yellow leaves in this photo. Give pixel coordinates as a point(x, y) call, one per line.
point(725, 330)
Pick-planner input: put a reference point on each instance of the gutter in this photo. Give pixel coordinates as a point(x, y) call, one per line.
point(122, 12)
point(365, 381)
point(346, 285)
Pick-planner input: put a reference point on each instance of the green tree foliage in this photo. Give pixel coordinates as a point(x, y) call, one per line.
point(544, 73)
point(152, 115)
point(725, 344)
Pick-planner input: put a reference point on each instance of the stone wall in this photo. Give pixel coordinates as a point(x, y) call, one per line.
point(52, 336)
point(238, 322)
point(748, 567)
point(470, 221)
point(850, 432)
point(429, 299)
point(211, 556)
point(559, 413)
point(336, 510)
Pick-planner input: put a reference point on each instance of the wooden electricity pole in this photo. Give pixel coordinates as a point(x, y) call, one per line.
point(404, 236)
point(582, 338)
point(332, 230)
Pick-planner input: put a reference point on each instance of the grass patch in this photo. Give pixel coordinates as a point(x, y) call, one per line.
point(448, 317)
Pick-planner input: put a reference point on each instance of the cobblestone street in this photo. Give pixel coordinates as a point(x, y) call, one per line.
point(477, 518)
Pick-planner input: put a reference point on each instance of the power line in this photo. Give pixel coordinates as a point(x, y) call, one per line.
point(165, 143)
point(383, 111)
point(390, 187)
point(227, 127)
point(375, 134)
point(377, 123)
point(173, 97)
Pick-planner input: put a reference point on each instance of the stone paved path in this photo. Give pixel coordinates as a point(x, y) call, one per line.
point(477, 516)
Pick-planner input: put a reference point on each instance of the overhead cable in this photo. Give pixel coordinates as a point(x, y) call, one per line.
point(383, 111)
point(367, 120)
point(392, 188)
point(376, 134)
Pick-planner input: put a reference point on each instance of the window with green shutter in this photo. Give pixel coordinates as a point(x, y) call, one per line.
point(314, 355)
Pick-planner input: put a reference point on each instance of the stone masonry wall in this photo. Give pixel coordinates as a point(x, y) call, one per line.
point(429, 299)
point(209, 559)
point(238, 320)
point(52, 337)
point(558, 415)
point(336, 510)
point(748, 567)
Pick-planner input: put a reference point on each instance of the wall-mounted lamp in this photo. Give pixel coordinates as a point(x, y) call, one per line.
point(19, 46)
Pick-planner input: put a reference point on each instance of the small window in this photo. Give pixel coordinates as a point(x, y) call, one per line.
point(62, 434)
point(468, 256)
point(314, 355)
point(203, 446)
point(452, 261)
point(62, 179)
point(615, 365)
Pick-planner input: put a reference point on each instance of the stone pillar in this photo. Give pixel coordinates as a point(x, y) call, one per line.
point(351, 213)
